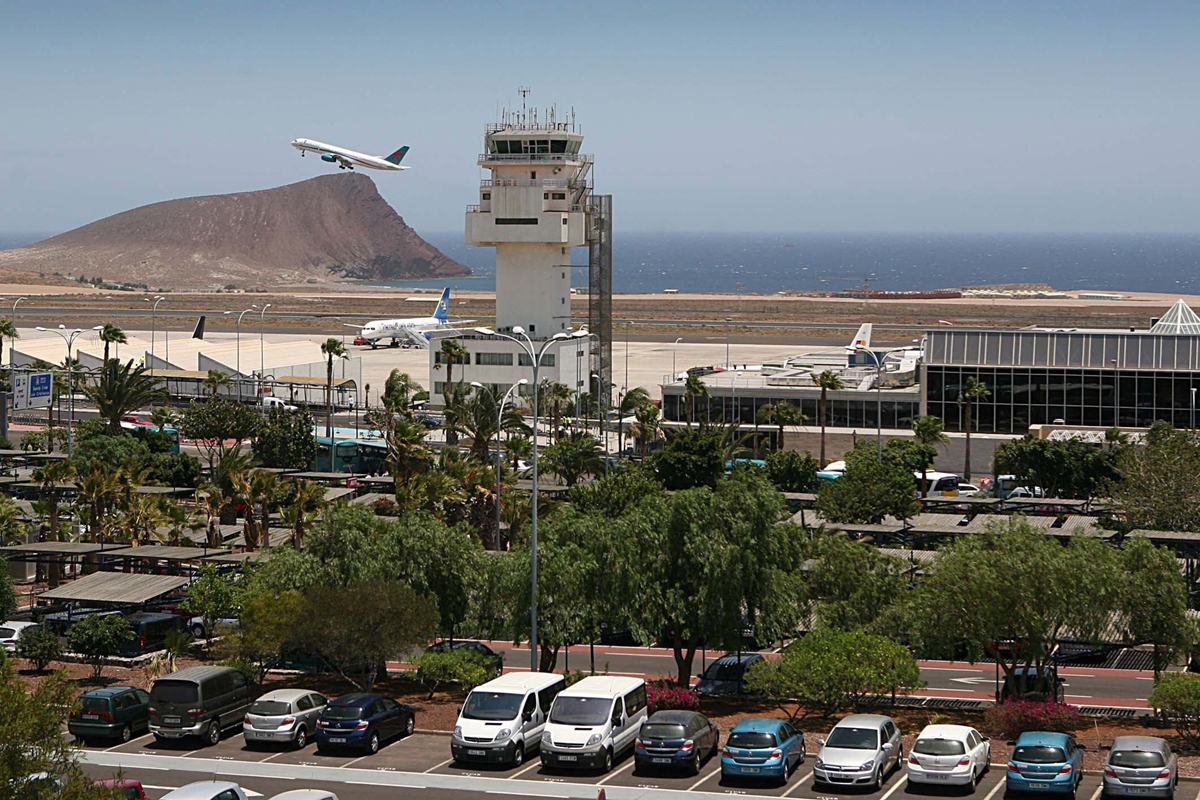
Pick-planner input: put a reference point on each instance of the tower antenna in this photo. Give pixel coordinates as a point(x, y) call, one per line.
point(524, 92)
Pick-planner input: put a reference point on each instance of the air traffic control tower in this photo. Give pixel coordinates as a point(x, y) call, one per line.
point(535, 207)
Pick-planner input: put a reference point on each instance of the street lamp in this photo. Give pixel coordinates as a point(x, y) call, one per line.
point(12, 363)
point(727, 321)
point(262, 358)
point(153, 314)
point(238, 368)
point(499, 422)
point(602, 410)
point(68, 337)
point(1116, 393)
point(674, 349)
point(858, 348)
point(535, 359)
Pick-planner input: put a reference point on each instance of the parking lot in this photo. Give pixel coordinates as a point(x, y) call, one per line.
point(430, 753)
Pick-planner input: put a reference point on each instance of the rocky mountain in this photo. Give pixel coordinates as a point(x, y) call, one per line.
point(326, 228)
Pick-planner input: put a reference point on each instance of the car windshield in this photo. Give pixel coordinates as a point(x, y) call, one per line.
point(728, 671)
point(270, 708)
point(1039, 754)
point(854, 738)
point(132, 793)
point(94, 703)
point(342, 712)
point(751, 740)
point(174, 692)
point(492, 705)
point(661, 730)
point(580, 710)
point(939, 747)
point(1135, 759)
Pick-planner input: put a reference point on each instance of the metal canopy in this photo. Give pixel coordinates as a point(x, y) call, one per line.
point(62, 548)
point(163, 553)
point(240, 558)
point(117, 588)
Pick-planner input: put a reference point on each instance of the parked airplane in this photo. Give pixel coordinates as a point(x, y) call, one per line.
point(348, 159)
point(416, 329)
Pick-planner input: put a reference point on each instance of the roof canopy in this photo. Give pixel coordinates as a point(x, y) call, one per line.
point(1179, 320)
point(117, 588)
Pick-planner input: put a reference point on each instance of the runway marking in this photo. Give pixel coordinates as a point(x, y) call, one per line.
point(534, 765)
point(616, 772)
point(903, 780)
point(444, 763)
point(799, 783)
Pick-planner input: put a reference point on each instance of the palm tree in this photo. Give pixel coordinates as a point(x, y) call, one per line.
point(634, 399)
point(331, 348)
point(451, 352)
point(398, 392)
point(98, 492)
point(408, 455)
point(693, 387)
point(972, 391)
point(163, 417)
point(215, 381)
point(265, 489)
point(574, 455)
point(827, 380)
point(556, 394)
point(647, 428)
point(243, 491)
point(143, 516)
point(211, 506)
point(928, 430)
point(782, 414)
point(518, 447)
point(122, 389)
point(53, 477)
point(8, 330)
point(309, 499)
point(112, 334)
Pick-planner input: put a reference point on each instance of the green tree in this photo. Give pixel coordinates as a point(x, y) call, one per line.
point(39, 646)
point(693, 387)
point(690, 458)
point(914, 456)
point(451, 352)
point(1156, 486)
point(54, 478)
point(398, 392)
point(112, 334)
point(1154, 601)
point(782, 414)
point(268, 623)
point(331, 348)
point(574, 455)
point(836, 670)
point(97, 638)
point(852, 584)
point(1068, 468)
point(928, 431)
point(462, 667)
point(632, 400)
point(285, 439)
point(122, 389)
point(869, 490)
point(216, 381)
point(1177, 696)
point(8, 330)
point(212, 596)
point(8, 596)
point(792, 471)
point(646, 429)
point(213, 422)
point(973, 390)
point(828, 381)
point(555, 394)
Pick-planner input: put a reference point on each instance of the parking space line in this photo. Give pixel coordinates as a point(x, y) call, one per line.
point(274, 755)
point(1197, 795)
point(438, 766)
point(521, 794)
point(353, 761)
point(1099, 789)
point(999, 785)
point(799, 783)
point(534, 765)
point(903, 780)
point(702, 778)
point(131, 741)
point(616, 772)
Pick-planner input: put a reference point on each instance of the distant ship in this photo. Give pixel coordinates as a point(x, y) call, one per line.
point(787, 244)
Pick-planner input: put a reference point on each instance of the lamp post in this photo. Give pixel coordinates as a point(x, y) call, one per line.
point(878, 396)
point(262, 357)
point(727, 321)
point(1193, 408)
point(535, 359)
point(12, 363)
point(239, 348)
point(499, 422)
point(153, 315)
point(674, 350)
point(602, 410)
point(68, 337)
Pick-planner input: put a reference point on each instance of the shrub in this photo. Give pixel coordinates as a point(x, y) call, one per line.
point(666, 696)
point(96, 638)
point(39, 646)
point(1178, 697)
point(463, 667)
point(1014, 717)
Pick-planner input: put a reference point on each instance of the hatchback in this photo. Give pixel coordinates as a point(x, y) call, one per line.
point(763, 748)
point(676, 739)
point(1045, 762)
point(128, 790)
point(115, 712)
point(955, 755)
point(207, 790)
point(10, 633)
point(284, 716)
point(860, 751)
point(363, 721)
point(1140, 766)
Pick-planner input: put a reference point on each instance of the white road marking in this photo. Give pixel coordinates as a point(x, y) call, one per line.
point(273, 755)
point(355, 761)
point(799, 783)
point(391, 785)
point(616, 772)
point(948, 669)
point(1084, 696)
point(1099, 789)
point(435, 766)
point(1003, 782)
point(717, 771)
point(122, 744)
point(534, 765)
point(1197, 795)
point(903, 780)
point(522, 794)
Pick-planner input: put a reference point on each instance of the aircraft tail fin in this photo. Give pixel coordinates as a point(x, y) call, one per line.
point(198, 331)
point(398, 156)
point(862, 339)
point(443, 307)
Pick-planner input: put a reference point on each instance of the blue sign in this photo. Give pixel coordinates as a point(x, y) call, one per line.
point(40, 385)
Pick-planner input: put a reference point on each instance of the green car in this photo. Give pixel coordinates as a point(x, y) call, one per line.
point(116, 712)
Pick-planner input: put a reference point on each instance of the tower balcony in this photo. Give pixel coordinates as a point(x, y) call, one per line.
point(566, 227)
point(574, 159)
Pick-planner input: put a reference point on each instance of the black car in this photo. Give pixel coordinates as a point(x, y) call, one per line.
point(363, 721)
point(727, 675)
point(486, 654)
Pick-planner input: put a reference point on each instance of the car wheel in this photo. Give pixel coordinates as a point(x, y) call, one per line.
point(899, 757)
point(518, 754)
point(803, 754)
point(197, 631)
point(373, 743)
point(696, 764)
point(126, 733)
point(608, 760)
point(410, 726)
point(301, 738)
point(878, 778)
point(213, 735)
point(787, 773)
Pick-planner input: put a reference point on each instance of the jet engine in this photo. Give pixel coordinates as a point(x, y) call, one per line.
point(328, 158)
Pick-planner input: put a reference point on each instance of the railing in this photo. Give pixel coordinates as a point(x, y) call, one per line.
point(574, 207)
point(537, 158)
point(473, 209)
point(548, 183)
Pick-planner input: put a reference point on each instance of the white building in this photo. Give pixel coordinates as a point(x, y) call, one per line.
point(533, 210)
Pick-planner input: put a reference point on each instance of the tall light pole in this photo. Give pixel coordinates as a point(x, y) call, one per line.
point(674, 350)
point(239, 348)
point(68, 337)
point(727, 321)
point(535, 359)
point(499, 422)
point(12, 362)
point(878, 396)
point(262, 357)
point(153, 315)
point(1116, 393)
point(602, 410)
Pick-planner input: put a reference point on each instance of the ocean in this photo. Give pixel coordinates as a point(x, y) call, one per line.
point(764, 263)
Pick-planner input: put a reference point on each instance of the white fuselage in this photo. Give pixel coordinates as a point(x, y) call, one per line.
point(399, 328)
point(344, 156)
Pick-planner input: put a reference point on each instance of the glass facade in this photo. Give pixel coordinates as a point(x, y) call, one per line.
point(1024, 396)
point(853, 413)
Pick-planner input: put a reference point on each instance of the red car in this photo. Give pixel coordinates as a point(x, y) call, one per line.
point(131, 790)
point(359, 341)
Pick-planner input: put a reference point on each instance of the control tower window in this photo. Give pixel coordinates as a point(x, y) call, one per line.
point(558, 145)
point(537, 146)
point(500, 145)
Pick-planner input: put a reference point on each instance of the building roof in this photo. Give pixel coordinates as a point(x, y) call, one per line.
point(160, 552)
point(116, 587)
point(59, 548)
point(1179, 320)
point(254, 557)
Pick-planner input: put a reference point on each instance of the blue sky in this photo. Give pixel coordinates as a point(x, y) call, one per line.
point(789, 116)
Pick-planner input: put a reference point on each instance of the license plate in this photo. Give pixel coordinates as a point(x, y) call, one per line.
point(661, 760)
point(171, 720)
point(568, 758)
point(476, 753)
point(1138, 790)
point(937, 777)
point(749, 769)
point(1039, 786)
point(338, 739)
point(91, 716)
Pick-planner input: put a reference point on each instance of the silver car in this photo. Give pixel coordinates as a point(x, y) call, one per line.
point(861, 750)
point(284, 716)
point(1140, 765)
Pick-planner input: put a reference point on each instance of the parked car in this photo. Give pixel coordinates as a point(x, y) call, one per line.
point(115, 712)
point(1045, 762)
point(969, 490)
point(10, 632)
point(1142, 766)
point(860, 751)
point(363, 721)
point(198, 701)
point(1034, 684)
point(763, 748)
point(196, 626)
point(130, 790)
point(207, 790)
point(150, 631)
point(594, 721)
point(727, 675)
point(284, 716)
point(306, 794)
point(490, 656)
point(503, 719)
point(954, 755)
point(676, 739)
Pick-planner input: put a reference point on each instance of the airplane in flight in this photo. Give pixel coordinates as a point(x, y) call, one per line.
point(416, 329)
point(348, 159)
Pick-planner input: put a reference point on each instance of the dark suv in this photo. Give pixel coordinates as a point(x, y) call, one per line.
point(116, 712)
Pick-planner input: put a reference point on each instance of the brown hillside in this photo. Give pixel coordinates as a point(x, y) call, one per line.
point(334, 226)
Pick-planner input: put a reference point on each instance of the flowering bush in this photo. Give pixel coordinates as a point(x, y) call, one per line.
point(666, 696)
point(1014, 717)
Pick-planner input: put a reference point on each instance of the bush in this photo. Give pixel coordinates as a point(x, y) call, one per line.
point(39, 646)
point(1178, 697)
point(666, 696)
point(96, 638)
point(463, 667)
point(1014, 717)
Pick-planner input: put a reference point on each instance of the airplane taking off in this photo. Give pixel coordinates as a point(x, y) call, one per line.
point(417, 329)
point(348, 159)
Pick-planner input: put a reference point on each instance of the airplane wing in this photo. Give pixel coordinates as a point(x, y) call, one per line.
point(357, 327)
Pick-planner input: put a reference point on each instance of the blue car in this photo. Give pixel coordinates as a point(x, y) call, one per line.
point(363, 722)
point(1045, 762)
point(675, 740)
point(763, 748)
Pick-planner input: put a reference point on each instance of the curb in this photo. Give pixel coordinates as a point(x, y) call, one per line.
point(429, 732)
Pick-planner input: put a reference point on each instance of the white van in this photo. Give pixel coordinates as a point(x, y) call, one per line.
point(502, 719)
point(593, 722)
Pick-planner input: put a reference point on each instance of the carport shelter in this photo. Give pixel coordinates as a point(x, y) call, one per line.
point(116, 589)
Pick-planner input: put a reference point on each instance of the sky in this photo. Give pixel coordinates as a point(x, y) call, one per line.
point(703, 116)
